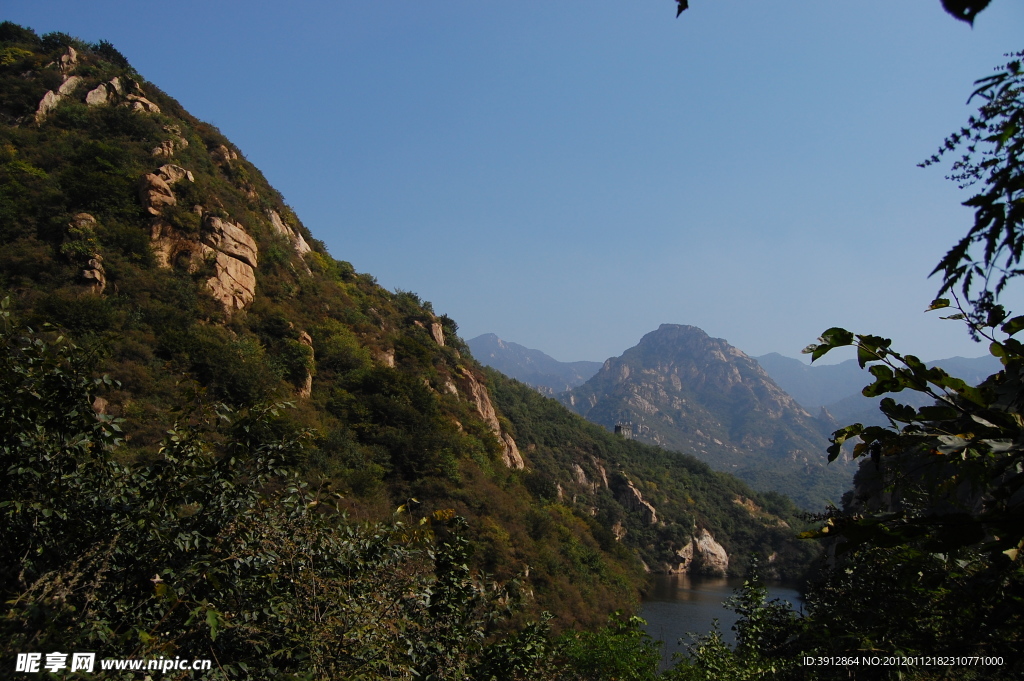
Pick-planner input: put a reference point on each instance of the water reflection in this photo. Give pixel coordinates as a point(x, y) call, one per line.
point(677, 606)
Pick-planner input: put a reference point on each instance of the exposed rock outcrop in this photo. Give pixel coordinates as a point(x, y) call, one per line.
point(307, 387)
point(386, 357)
point(66, 64)
point(140, 103)
point(168, 148)
point(285, 230)
point(233, 282)
point(437, 331)
point(600, 471)
point(105, 93)
point(123, 91)
point(701, 556)
point(224, 244)
point(230, 238)
point(117, 90)
point(510, 455)
point(630, 497)
point(68, 61)
point(579, 475)
point(94, 274)
point(477, 393)
point(155, 191)
point(52, 98)
point(222, 155)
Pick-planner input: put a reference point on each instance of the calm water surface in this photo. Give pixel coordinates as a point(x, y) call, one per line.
point(677, 606)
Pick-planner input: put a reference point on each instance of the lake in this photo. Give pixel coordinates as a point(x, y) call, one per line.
point(679, 605)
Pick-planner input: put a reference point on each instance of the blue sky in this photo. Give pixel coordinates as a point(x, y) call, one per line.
point(571, 174)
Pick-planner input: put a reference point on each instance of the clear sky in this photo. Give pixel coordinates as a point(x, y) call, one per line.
point(570, 174)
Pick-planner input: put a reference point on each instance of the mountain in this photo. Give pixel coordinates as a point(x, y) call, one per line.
point(683, 390)
point(541, 372)
point(837, 387)
point(144, 235)
point(814, 386)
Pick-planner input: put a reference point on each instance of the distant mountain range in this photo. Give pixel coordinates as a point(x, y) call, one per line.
point(837, 387)
point(688, 392)
point(683, 390)
point(765, 419)
point(544, 373)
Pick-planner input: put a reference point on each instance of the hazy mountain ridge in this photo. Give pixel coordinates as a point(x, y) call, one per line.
point(683, 390)
point(837, 387)
point(540, 371)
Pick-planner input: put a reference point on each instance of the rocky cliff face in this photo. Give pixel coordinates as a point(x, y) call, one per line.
point(683, 390)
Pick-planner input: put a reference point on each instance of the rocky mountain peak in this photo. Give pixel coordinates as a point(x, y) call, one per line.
point(685, 390)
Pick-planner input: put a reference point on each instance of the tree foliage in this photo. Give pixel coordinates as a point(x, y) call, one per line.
point(964, 10)
point(925, 557)
point(215, 550)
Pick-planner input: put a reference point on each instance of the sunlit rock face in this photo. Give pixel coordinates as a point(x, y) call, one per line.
point(701, 556)
point(684, 390)
point(222, 244)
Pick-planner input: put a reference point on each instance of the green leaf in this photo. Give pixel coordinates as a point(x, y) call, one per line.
point(1013, 326)
point(938, 304)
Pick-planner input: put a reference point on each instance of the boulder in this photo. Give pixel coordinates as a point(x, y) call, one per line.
point(172, 173)
point(140, 104)
point(222, 155)
point(82, 221)
point(701, 556)
point(106, 93)
point(69, 86)
point(47, 104)
point(710, 556)
point(52, 98)
point(68, 61)
point(167, 148)
point(98, 96)
point(94, 274)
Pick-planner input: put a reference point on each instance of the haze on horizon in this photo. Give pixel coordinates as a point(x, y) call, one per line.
point(571, 175)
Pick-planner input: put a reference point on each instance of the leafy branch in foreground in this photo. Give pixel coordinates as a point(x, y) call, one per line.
point(967, 449)
point(992, 145)
point(964, 10)
point(214, 550)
